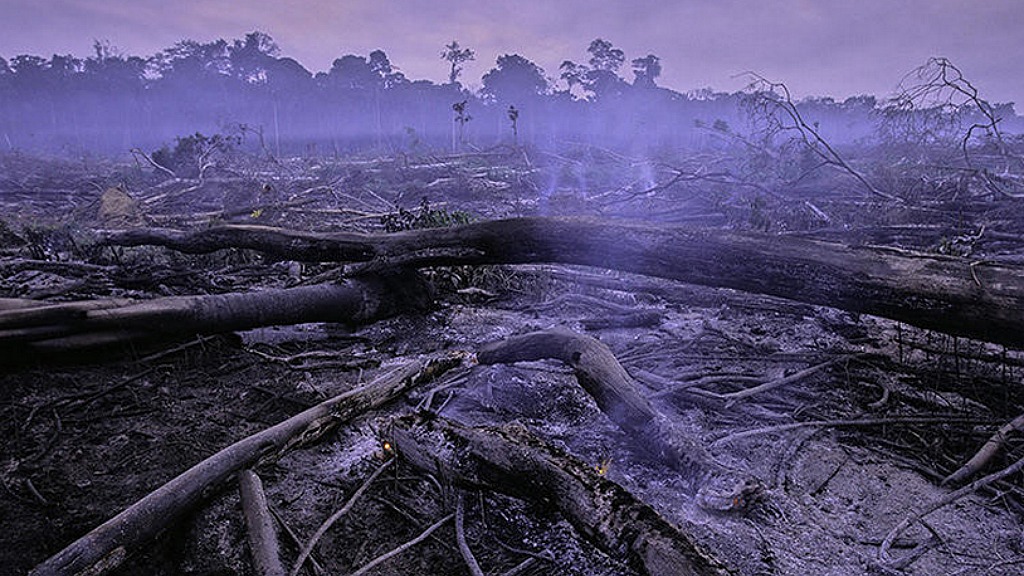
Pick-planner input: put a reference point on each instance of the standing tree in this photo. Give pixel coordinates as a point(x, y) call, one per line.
point(574, 74)
point(456, 55)
point(605, 60)
point(513, 117)
point(515, 79)
point(604, 56)
point(251, 57)
point(645, 70)
point(461, 117)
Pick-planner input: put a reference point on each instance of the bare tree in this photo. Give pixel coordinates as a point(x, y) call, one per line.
point(456, 55)
point(771, 105)
point(513, 117)
point(939, 88)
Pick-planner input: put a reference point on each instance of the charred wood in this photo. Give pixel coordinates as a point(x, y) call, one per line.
point(511, 460)
point(981, 300)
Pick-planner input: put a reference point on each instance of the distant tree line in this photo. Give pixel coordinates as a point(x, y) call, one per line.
point(112, 102)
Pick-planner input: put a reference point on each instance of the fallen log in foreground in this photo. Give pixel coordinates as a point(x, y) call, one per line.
point(50, 328)
point(107, 546)
point(979, 300)
point(511, 460)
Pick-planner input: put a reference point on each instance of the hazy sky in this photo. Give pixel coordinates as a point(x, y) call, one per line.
point(822, 47)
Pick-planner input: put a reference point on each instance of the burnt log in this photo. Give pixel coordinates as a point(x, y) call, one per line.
point(511, 460)
point(77, 326)
point(715, 486)
point(976, 299)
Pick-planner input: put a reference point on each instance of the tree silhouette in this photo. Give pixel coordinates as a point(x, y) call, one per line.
point(515, 79)
point(646, 70)
point(604, 56)
point(456, 55)
point(249, 58)
point(605, 60)
point(461, 117)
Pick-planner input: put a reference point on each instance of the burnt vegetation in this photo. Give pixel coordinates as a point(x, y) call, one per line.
point(350, 322)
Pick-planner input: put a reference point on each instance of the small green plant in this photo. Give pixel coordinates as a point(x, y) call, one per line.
point(463, 280)
point(424, 217)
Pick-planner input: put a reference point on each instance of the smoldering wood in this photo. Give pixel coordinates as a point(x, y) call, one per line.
point(976, 299)
point(597, 370)
point(621, 399)
point(511, 460)
point(106, 547)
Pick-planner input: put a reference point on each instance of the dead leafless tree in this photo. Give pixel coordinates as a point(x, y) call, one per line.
point(938, 93)
point(771, 106)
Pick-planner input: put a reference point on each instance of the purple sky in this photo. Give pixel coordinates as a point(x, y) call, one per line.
point(822, 47)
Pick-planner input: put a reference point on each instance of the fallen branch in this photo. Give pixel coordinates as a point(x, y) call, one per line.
point(732, 397)
point(326, 525)
point(391, 554)
point(883, 550)
point(510, 459)
point(986, 453)
point(259, 524)
point(153, 163)
point(619, 397)
point(106, 546)
point(460, 538)
point(90, 324)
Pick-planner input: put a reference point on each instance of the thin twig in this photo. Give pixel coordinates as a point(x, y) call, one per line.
point(732, 397)
point(843, 423)
point(883, 551)
point(518, 568)
point(318, 569)
point(334, 517)
point(389, 555)
point(982, 457)
point(460, 538)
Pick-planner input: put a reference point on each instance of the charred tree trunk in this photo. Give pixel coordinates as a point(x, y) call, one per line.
point(975, 299)
point(511, 460)
point(84, 325)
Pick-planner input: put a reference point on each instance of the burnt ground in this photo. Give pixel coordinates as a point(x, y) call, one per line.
point(86, 438)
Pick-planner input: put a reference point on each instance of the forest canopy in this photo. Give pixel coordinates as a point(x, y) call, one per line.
point(111, 102)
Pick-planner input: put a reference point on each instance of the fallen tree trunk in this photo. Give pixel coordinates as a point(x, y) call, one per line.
point(85, 325)
point(511, 460)
point(714, 486)
point(106, 547)
point(975, 299)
